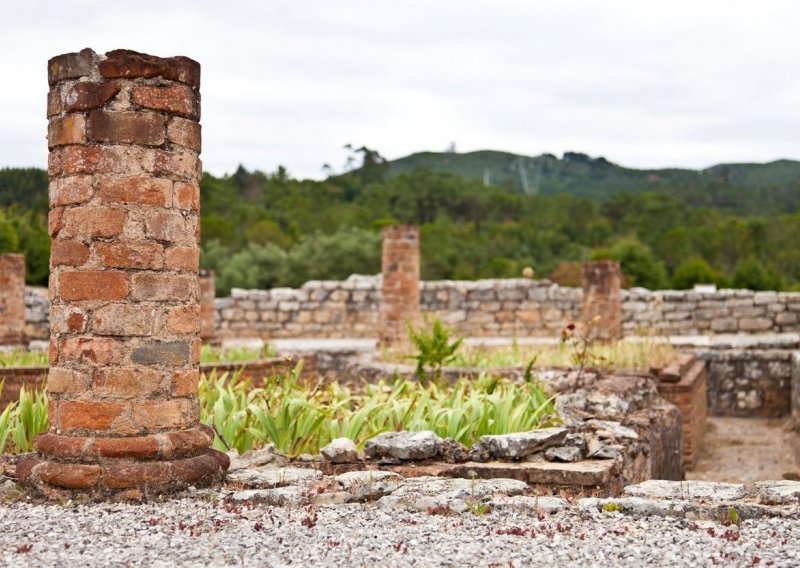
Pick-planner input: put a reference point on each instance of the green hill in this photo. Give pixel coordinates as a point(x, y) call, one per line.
point(773, 187)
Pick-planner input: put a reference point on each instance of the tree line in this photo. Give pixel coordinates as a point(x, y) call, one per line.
point(263, 230)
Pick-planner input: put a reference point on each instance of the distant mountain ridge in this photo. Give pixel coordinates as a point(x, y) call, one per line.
point(738, 186)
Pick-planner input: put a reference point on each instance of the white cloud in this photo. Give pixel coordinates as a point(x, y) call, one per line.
point(289, 82)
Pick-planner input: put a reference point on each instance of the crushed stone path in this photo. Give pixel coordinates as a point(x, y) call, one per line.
point(746, 450)
point(202, 531)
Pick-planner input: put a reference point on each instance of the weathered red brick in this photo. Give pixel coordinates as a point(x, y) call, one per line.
point(55, 221)
point(79, 159)
point(128, 254)
point(93, 285)
point(130, 447)
point(67, 319)
point(157, 286)
point(121, 127)
point(170, 227)
point(69, 475)
point(70, 190)
point(197, 344)
point(88, 414)
point(175, 99)
point(54, 105)
point(165, 414)
point(69, 447)
point(187, 196)
point(188, 442)
point(68, 253)
point(196, 470)
point(183, 258)
point(141, 190)
point(97, 351)
point(67, 381)
point(184, 132)
point(126, 382)
point(178, 163)
point(88, 95)
point(70, 65)
point(184, 319)
point(94, 221)
point(69, 129)
point(124, 63)
point(127, 319)
point(185, 382)
point(123, 475)
point(175, 353)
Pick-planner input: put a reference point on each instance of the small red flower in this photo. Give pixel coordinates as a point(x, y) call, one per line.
point(571, 326)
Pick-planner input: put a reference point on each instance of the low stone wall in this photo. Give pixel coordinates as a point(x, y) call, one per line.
point(482, 308)
point(749, 382)
point(505, 308)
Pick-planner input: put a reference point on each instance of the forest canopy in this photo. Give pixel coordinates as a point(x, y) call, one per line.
point(262, 230)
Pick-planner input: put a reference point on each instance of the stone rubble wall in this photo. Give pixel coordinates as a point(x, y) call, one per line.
point(489, 308)
point(510, 308)
point(750, 382)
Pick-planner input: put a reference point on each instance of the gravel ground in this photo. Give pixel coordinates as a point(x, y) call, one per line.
point(205, 532)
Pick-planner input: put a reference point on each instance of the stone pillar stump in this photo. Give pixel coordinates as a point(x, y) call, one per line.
point(207, 311)
point(124, 140)
point(400, 301)
point(601, 309)
point(12, 299)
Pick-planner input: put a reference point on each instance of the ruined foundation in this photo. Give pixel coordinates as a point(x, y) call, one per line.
point(400, 298)
point(124, 140)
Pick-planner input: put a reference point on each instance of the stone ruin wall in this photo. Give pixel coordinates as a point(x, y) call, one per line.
point(513, 307)
point(506, 308)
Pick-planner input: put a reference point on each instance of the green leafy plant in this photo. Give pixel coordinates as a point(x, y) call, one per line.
point(612, 507)
point(299, 418)
point(22, 421)
point(435, 346)
point(732, 517)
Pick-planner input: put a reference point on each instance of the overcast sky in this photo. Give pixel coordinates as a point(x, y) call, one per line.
point(645, 84)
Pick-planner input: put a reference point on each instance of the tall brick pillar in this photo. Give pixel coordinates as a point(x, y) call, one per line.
point(124, 140)
point(400, 298)
point(12, 299)
point(207, 312)
point(601, 310)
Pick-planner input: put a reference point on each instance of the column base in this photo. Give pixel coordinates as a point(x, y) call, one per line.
point(135, 468)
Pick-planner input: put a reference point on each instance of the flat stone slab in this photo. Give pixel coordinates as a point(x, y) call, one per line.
point(272, 477)
point(256, 458)
point(369, 485)
point(586, 473)
point(781, 492)
point(661, 489)
point(431, 493)
point(519, 444)
point(694, 510)
point(404, 445)
point(605, 428)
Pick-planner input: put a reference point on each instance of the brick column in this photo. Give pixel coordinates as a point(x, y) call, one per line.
point(12, 299)
point(601, 309)
point(207, 312)
point(124, 140)
point(400, 299)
